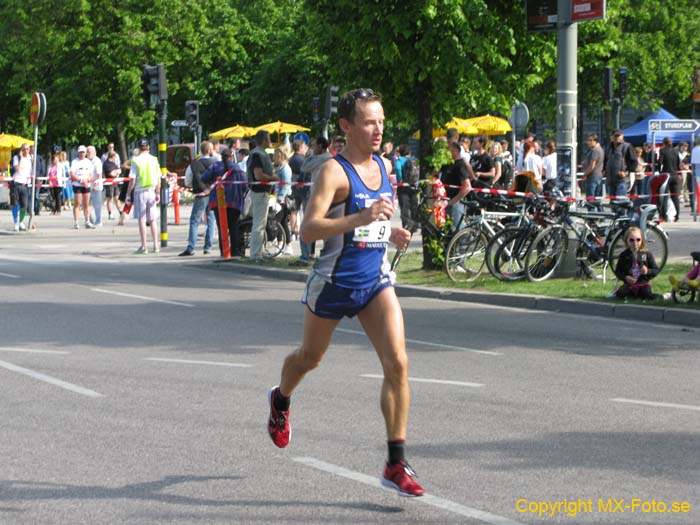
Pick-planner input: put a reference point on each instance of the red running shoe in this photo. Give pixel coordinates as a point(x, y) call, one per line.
point(402, 478)
point(278, 422)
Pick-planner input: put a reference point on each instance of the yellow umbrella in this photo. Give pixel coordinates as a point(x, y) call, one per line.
point(13, 141)
point(281, 127)
point(490, 125)
point(462, 126)
point(233, 131)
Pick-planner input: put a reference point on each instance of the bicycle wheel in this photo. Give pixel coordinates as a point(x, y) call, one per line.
point(684, 295)
point(505, 253)
point(244, 228)
point(464, 257)
point(655, 241)
point(275, 239)
point(545, 253)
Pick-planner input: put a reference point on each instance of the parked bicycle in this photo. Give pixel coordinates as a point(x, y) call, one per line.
point(599, 238)
point(275, 239)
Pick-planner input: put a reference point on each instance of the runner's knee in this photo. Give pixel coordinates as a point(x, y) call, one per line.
point(307, 359)
point(395, 367)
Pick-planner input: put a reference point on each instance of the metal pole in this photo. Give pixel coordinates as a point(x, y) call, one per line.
point(567, 90)
point(693, 180)
point(512, 139)
point(162, 160)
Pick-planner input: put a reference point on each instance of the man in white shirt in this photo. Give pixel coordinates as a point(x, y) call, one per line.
point(695, 163)
point(81, 170)
point(97, 185)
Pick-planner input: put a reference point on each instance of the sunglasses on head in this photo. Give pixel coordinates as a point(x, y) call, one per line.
point(358, 94)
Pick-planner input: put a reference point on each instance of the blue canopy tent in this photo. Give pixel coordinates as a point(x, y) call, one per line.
point(639, 133)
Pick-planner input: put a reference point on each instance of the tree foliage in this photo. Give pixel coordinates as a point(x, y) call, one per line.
point(252, 62)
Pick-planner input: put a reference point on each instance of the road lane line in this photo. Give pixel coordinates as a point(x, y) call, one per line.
point(48, 379)
point(143, 297)
point(655, 404)
point(10, 275)
point(31, 351)
point(422, 380)
point(428, 343)
point(192, 362)
point(426, 499)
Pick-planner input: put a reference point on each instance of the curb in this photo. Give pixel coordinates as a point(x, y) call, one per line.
point(628, 312)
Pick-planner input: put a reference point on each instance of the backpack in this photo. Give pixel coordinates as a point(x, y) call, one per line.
point(506, 173)
point(410, 172)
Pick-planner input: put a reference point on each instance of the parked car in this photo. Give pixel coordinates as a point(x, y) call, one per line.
point(178, 157)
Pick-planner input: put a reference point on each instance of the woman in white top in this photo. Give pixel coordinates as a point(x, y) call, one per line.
point(283, 190)
point(549, 166)
point(532, 161)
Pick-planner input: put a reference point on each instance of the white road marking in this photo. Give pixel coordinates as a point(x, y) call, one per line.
point(655, 404)
point(143, 297)
point(31, 351)
point(426, 499)
point(422, 380)
point(9, 275)
point(48, 379)
point(192, 362)
point(428, 343)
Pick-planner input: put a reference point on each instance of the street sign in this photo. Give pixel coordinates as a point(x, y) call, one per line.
point(303, 136)
point(520, 116)
point(37, 110)
point(179, 123)
point(674, 125)
point(583, 10)
point(541, 15)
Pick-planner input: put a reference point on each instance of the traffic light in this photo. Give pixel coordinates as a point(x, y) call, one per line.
point(153, 83)
point(622, 87)
point(192, 114)
point(331, 106)
point(607, 85)
point(315, 103)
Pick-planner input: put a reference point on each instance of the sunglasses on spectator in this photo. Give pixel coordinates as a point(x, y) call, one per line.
point(632, 239)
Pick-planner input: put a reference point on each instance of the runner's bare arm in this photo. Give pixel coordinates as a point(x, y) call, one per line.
point(332, 186)
point(399, 236)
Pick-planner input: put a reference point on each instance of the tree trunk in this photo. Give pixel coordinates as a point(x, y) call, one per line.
point(123, 153)
point(424, 90)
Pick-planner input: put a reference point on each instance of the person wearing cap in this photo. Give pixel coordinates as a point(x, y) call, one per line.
point(81, 170)
point(620, 161)
point(144, 181)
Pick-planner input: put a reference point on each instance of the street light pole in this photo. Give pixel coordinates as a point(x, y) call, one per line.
point(567, 94)
point(162, 160)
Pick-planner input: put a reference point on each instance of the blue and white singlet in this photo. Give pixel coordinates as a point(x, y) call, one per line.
point(357, 259)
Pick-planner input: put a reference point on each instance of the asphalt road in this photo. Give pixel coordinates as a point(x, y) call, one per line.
point(133, 390)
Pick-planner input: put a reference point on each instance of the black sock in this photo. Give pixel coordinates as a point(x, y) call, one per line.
point(280, 402)
point(396, 450)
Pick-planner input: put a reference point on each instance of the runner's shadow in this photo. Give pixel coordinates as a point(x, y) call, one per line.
point(21, 490)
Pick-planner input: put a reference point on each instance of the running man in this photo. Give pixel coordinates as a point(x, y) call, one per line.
point(350, 209)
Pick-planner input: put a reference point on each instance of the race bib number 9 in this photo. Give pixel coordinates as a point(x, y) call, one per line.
point(375, 235)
